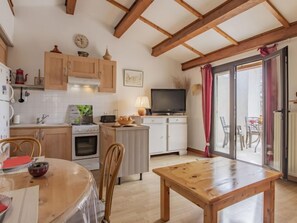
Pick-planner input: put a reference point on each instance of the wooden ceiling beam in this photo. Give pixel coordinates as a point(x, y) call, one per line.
point(255, 42)
point(153, 25)
point(222, 33)
point(276, 14)
point(135, 11)
point(220, 14)
point(70, 6)
point(170, 35)
point(190, 8)
point(200, 16)
point(11, 6)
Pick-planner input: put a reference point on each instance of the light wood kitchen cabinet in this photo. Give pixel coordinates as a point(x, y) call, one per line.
point(136, 143)
point(57, 68)
point(55, 71)
point(55, 141)
point(107, 75)
point(83, 67)
point(3, 52)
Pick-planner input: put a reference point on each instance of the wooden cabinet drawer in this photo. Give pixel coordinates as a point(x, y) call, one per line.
point(177, 120)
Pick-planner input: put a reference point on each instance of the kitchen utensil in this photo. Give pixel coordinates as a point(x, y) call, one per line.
point(27, 94)
point(20, 78)
point(21, 100)
point(38, 80)
point(82, 53)
point(16, 119)
point(108, 118)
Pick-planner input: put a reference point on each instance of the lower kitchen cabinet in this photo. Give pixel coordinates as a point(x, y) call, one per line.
point(55, 141)
point(135, 141)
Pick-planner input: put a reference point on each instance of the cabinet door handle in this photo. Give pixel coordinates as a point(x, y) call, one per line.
point(36, 135)
point(65, 71)
point(69, 65)
point(42, 135)
point(39, 134)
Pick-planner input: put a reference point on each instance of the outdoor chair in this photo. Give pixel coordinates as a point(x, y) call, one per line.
point(226, 129)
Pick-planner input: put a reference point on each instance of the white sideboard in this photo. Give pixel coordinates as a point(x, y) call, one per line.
point(167, 133)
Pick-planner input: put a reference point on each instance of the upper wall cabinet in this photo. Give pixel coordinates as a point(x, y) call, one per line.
point(6, 23)
point(55, 71)
point(57, 68)
point(83, 67)
point(107, 75)
point(3, 52)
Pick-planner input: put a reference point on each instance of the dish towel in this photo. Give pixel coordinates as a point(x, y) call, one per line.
point(24, 207)
point(14, 162)
point(22, 170)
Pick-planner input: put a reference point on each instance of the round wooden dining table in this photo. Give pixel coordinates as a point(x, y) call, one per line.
point(63, 190)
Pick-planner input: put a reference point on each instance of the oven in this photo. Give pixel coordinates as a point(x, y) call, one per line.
point(85, 145)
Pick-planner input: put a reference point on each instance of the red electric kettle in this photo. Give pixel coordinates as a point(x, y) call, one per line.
point(20, 78)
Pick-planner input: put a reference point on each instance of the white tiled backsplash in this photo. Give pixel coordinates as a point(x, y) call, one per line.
point(55, 103)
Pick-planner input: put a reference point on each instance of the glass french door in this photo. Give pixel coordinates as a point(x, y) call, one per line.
point(275, 78)
point(222, 112)
point(250, 109)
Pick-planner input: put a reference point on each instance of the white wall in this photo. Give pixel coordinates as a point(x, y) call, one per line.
point(39, 28)
point(195, 131)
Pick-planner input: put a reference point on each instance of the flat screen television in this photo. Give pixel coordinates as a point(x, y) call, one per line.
point(168, 101)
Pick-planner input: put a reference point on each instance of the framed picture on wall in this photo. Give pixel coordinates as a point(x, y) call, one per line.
point(133, 78)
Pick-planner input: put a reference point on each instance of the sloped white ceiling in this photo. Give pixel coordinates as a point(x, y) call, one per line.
point(250, 23)
point(170, 16)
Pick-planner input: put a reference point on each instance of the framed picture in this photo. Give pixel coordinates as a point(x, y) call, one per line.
point(133, 78)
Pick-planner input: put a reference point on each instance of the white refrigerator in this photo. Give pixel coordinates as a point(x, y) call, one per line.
point(6, 95)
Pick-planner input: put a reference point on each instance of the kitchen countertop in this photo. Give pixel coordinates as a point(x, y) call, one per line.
point(123, 127)
point(46, 125)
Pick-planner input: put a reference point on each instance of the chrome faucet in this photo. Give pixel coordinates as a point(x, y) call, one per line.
point(42, 119)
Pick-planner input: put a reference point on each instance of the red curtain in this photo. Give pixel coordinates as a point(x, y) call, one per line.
point(206, 74)
point(271, 97)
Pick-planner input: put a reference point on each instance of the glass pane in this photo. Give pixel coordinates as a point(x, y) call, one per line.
point(85, 145)
point(273, 113)
point(222, 112)
point(249, 120)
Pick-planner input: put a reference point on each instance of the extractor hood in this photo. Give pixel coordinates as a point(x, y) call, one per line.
point(83, 81)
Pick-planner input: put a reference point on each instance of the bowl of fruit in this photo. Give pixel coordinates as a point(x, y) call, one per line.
point(125, 120)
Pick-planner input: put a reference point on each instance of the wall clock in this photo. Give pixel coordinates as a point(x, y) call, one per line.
point(81, 41)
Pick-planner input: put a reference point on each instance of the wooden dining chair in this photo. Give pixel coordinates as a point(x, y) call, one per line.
point(20, 146)
point(108, 175)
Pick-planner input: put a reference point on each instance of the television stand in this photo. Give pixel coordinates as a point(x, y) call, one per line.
point(167, 134)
